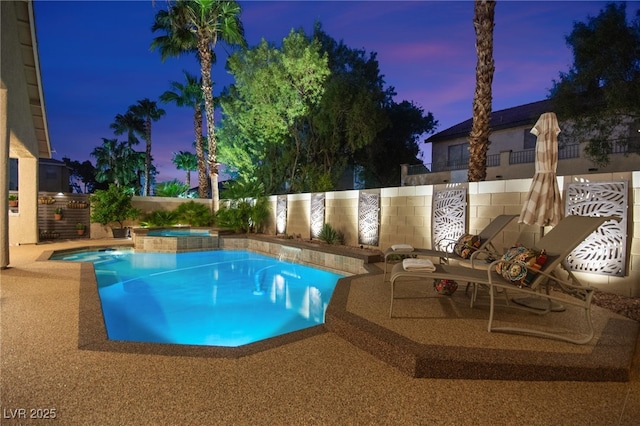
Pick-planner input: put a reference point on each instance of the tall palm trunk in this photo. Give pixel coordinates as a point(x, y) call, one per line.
point(205, 55)
point(203, 182)
point(147, 159)
point(483, 23)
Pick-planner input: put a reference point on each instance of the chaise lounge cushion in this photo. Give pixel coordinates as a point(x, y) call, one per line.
point(466, 245)
point(520, 264)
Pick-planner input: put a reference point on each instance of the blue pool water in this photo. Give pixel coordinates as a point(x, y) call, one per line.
point(215, 298)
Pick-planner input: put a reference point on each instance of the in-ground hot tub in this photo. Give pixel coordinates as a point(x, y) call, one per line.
point(174, 239)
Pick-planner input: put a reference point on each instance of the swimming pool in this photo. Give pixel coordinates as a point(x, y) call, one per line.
point(213, 298)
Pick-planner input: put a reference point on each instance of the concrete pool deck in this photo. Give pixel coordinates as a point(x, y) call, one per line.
point(50, 360)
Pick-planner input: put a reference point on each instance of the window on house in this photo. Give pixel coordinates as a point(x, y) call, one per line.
point(529, 139)
point(51, 173)
point(634, 138)
point(458, 155)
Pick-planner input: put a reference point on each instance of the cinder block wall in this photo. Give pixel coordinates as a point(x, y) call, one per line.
point(341, 212)
point(406, 216)
point(299, 215)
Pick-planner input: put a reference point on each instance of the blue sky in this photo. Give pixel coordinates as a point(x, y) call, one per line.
point(95, 59)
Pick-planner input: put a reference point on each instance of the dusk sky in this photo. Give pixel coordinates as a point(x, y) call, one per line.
point(95, 59)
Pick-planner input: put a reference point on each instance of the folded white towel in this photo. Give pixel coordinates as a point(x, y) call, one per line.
point(401, 247)
point(418, 265)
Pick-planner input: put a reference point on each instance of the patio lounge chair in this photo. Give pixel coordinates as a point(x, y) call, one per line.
point(446, 251)
point(558, 244)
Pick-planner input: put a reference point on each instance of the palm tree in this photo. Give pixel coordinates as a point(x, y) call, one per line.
point(190, 95)
point(117, 162)
point(147, 110)
point(106, 159)
point(483, 22)
point(129, 123)
point(185, 160)
point(197, 26)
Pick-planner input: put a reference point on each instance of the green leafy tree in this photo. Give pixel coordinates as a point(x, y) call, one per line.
point(85, 173)
point(185, 160)
point(266, 109)
point(118, 163)
point(396, 144)
point(483, 22)
point(351, 113)
point(112, 205)
point(197, 26)
point(599, 94)
point(189, 94)
point(148, 111)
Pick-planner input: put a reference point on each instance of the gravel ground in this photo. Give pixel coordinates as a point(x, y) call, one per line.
point(627, 306)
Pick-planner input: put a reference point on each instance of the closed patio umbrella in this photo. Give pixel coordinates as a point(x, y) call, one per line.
point(544, 205)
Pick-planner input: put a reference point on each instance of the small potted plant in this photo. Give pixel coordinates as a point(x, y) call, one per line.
point(80, 228)
point(57, 214)
point(13, 200)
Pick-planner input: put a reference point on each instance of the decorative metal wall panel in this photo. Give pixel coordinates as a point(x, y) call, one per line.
point(449, 216)
point(368, 218)
point(604, 251)
point(281, 214)
point(317, 213)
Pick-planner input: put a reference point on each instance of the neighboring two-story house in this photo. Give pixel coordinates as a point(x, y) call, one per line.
point(511, 152)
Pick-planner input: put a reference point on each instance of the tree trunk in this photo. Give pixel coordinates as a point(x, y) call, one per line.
point(483, 23)
point(147, 159)
point(203, 182)
point(207, 89)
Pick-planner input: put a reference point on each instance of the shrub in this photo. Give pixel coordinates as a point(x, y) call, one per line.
point(194, 214)
point(173, 188)
point(247, 210)
point(112, 205)
point(330, 235)
point(160, 218)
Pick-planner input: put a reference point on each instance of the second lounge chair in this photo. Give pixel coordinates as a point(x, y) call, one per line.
point(558, 244)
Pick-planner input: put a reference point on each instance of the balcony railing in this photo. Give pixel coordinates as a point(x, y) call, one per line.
point(632, 146)
point(569, 151)
point(520, 157)
point(418, 169)
point(493, 160)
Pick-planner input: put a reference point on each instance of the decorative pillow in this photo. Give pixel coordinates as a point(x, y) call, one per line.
point(519, 258)
point(466, 245)
point(445, 287)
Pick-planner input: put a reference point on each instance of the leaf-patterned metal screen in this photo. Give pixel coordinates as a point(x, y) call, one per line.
point(317, 213)
point(281, 214)
point(368, 218)
point(449, 216)
point(604, 251)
